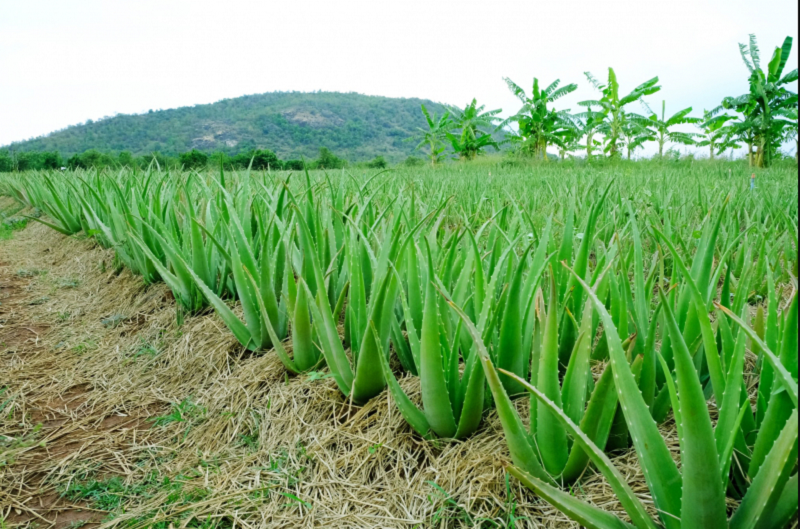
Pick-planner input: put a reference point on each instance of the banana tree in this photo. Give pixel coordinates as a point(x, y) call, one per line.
point(662, 125)
point(477, 128)
point(435, 134)
point(635, 132)
point(569, 140)
point(717, 135)
point(538, 124)
point(590, 122)
point(766, 99)
point(614, 105)
point(743, 130)
point(790, 114)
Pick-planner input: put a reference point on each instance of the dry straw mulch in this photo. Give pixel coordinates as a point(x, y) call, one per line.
point(93, 362)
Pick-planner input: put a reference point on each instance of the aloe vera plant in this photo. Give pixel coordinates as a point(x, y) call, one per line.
point(694, 496)
point(452, 402)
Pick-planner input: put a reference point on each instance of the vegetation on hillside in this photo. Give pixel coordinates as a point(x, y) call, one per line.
point(291, 124)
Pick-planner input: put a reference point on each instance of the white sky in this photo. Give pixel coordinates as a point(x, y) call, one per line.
point(65, 61)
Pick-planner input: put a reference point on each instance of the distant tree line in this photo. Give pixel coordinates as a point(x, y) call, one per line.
point(257, 159)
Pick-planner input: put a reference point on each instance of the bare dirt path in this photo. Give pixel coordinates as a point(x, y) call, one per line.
point(52, 417)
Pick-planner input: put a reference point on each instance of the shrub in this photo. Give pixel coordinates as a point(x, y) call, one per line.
point(328, 160)
point(262, 160)
point(51, 160)
point(379, 162)
point(193, 159)
point(293, 165)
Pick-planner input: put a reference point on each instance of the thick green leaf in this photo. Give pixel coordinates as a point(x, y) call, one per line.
point(785, 378)
point(661, 472)
point(587, 515)
point(766, 489)
point(550, 434)
point(618, 482)
point(519, 443)
point(435, 397)
point(703, 493)
point(596, 423)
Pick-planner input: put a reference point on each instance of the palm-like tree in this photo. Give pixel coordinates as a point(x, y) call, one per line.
point(717, 134)
point(569, 139)
point(540, 126)
point(476, 129)
point(635, 132)
point(591, 122)
point(661, 126)
point(790, 115)
point(434, 136)
point(767, 100)
point(614, 105)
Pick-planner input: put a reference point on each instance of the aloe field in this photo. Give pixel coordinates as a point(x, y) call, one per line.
point(587, 308)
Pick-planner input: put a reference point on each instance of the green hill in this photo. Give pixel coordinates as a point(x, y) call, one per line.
point(354, 126)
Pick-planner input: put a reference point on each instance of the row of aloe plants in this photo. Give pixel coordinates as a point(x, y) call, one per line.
point(485, 299)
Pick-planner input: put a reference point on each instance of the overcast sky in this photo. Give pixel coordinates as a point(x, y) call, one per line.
point(65, 61)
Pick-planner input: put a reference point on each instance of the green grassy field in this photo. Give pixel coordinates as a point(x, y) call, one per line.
point(619, 301)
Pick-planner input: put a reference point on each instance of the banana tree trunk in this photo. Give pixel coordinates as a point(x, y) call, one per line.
point(761, 154)
point(711, 150)
point(589, 146)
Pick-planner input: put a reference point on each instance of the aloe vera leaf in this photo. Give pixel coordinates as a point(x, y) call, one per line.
point(586, 515)
point(783, 374)
point(330, 343)
point(284, 357)
point(472, 409)
point(785, 507)
point(641, 310)
point(573, 391)
point(305, 353)
point(703, 493)
point(633, 506)
point(730, 405)
point(596, 423)
point(780, 405)
point(550, 434)
point(647, 382)
point(767, 487)
point(771, 339)
point(661, 472)
point(435, 397)
point(413, 415)
point(239, 329)
point(519, 443)
point(700, 312)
